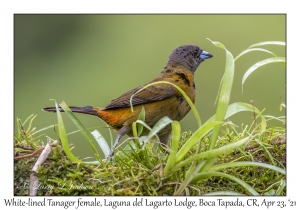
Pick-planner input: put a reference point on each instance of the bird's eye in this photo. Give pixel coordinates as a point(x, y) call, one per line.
point(195, 52)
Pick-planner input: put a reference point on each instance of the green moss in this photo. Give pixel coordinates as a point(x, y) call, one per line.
point(141, 172)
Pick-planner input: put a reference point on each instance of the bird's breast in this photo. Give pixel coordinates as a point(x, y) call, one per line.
point(185, 81)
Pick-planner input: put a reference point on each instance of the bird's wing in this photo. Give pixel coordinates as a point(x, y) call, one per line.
point(153, 93)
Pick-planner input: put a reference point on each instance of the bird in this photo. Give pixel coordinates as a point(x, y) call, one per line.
point(158, 100)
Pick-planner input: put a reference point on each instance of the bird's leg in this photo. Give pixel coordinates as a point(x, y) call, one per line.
point(124, 130)
point(117, 141)
point(115, 145)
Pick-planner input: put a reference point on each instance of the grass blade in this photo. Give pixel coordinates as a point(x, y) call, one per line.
point(261, 63)
point(253, 49)
point(30, 124)
point(268, 43)
point(205, 175)
point(141, 117)
point(190, 174)
point(176, 129)
point(280, 119)
point(219, 90)
point(225, 92)
point(27, 119)
point(144, 124)
point(135, 134)
point(162, 123)
point(224, 193)
point(43, 129)
point(101, 142)
point(79, 125)
point(241, 107)
point(63, 136)
point(281, 187)
point(212, 153)
point(247, 163)
point(198, 135)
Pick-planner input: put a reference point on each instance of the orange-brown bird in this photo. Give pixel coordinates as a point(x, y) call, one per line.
point(158, 100)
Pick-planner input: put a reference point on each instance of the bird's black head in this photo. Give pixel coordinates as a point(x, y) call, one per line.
point(188, 56)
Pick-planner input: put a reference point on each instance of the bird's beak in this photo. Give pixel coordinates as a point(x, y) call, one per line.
point(205, 55)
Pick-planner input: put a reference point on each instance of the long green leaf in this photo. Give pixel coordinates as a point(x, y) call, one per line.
point(198, 135)
point(43, 129)
point(223, 99)
point(174, 147)
point(141, 117)
point(79, 125)
point(212, 153)
point(254, 49)
point(224, 193)
point(281, 187)
point(27, 119)
point(281, 118)
point(183, 185)
point(135, 134)
point(261, 63)
point(162, 123)
point(241, 107)
point(224, 93)
point(205, 175)
point(247, 163)
point(30, 124)
point(144, 124)
point(268, 43)
point(219, 90)
point(190, 174)
point(63, 136)
point(101, 142)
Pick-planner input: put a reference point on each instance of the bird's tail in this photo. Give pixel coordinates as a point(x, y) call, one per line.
point(84, 110)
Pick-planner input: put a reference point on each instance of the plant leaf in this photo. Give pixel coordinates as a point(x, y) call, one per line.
point(204, 175)
point(219, 90)
point(241, 107)
point(63, 136)
point(254, 49)
point(174, 147)
point(268, 43)
point(101, 142)
point(281, 187)
point(79, 125)
point(141, 117)
point(197, 136)
point(247, 163)
point(225, 92)
point(212, 153)
point(42, 129)
point(27, 119)
point(281, 118)
point(162, 123)
point(223, 193)
point(261, 63)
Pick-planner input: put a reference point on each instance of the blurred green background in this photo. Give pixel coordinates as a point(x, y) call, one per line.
point(92, 59)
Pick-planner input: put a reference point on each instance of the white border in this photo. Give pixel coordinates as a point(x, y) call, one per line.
point(8, 8)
